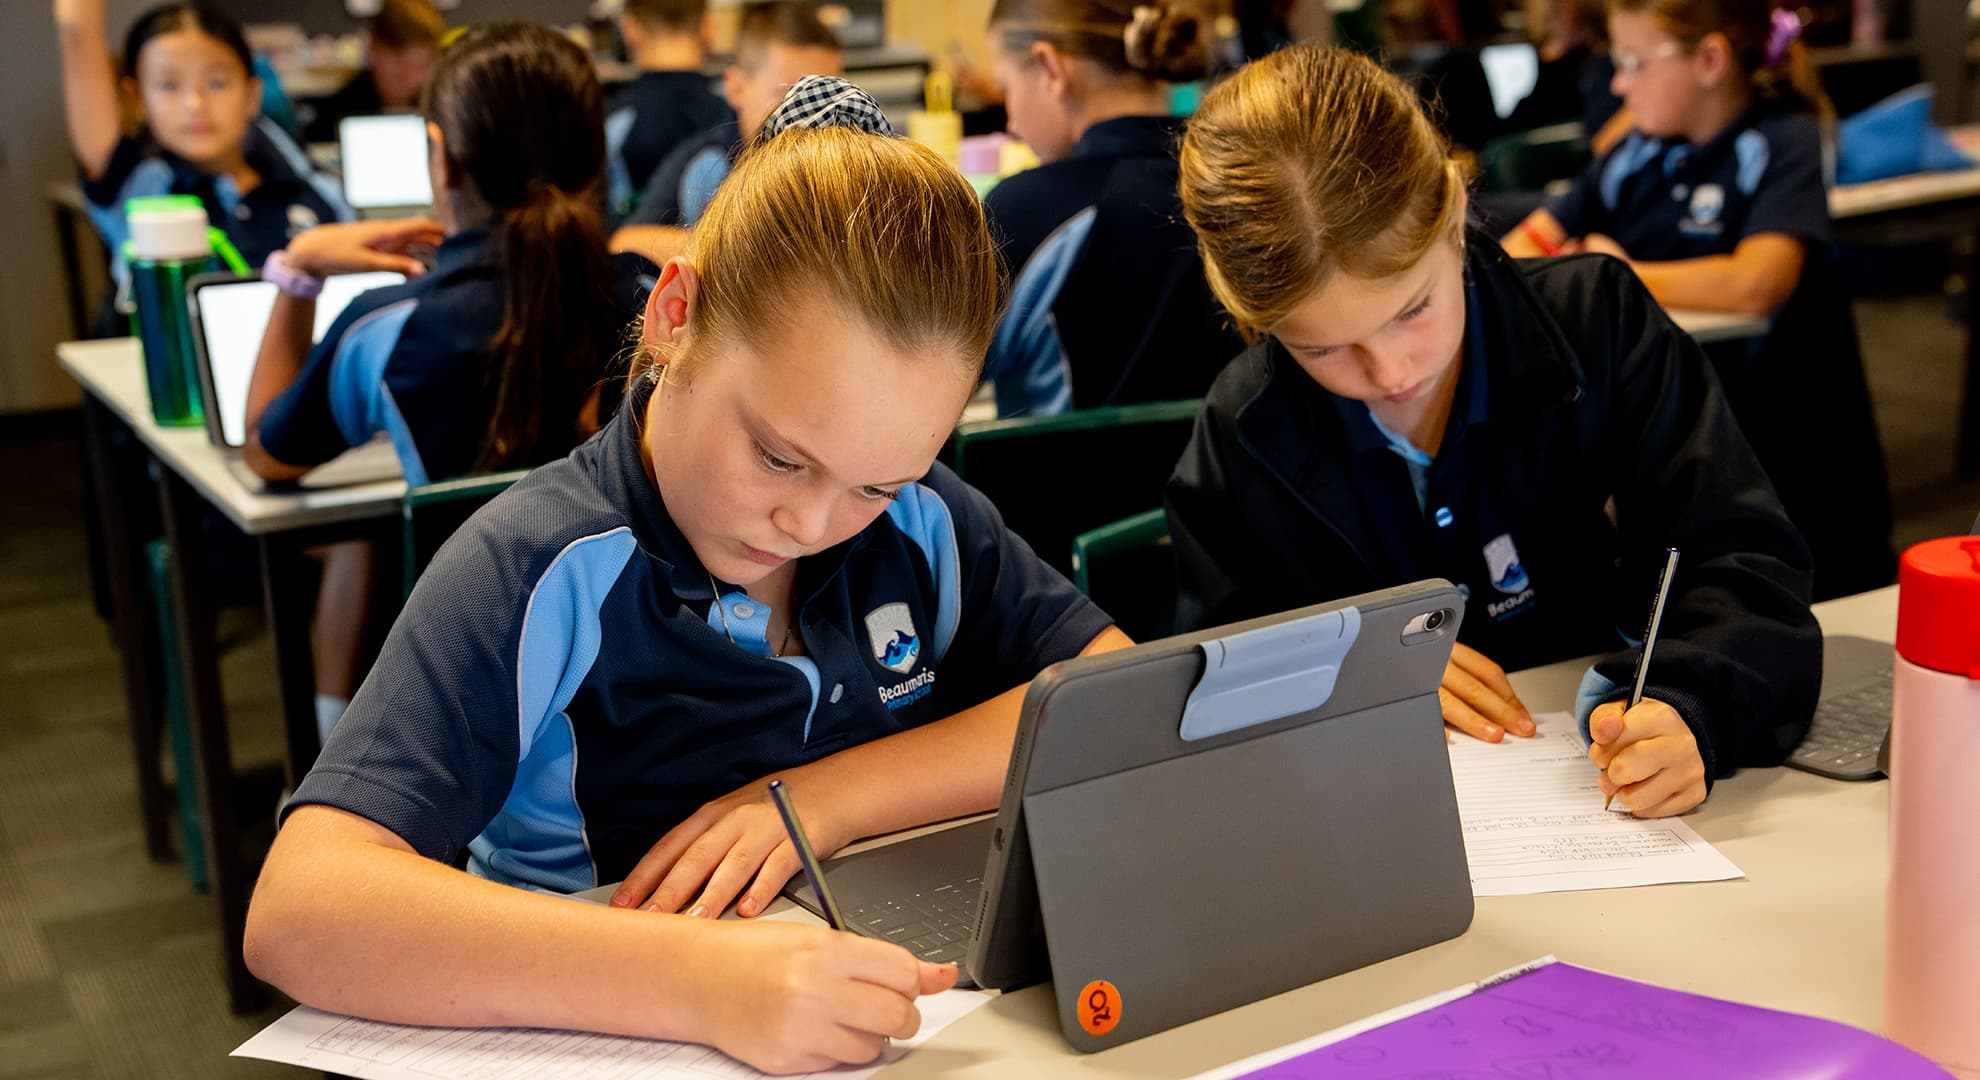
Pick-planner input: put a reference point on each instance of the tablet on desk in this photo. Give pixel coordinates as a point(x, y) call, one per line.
point(230, 314)
point(1199, 822)
point(384, 159)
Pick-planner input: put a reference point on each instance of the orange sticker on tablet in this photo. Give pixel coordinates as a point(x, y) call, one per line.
point(1099, 1007)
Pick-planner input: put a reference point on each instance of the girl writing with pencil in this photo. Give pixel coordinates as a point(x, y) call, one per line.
point(1417, 404)
point(754, 572)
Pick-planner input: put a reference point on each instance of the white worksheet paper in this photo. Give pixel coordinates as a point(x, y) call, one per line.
point(374, 1051)
point(1534, 823)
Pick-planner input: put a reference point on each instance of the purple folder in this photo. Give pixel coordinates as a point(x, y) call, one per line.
point(1561, 1022)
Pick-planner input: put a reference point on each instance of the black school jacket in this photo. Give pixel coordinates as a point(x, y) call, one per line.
point(1600, 439)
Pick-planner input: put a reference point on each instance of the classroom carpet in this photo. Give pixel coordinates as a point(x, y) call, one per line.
point(109, 962)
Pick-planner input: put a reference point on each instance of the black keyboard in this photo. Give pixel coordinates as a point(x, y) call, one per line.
point(1848, 732)
point(933, 925)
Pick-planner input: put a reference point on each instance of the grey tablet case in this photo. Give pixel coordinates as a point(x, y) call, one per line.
point(1203, 821)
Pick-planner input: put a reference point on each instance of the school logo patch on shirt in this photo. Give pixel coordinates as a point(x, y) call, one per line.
point(1502, 561)
point(1708, 204)
point(301, 220)
point(890, 633)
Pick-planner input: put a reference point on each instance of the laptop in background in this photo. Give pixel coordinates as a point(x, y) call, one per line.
point(1200, 822)
point(229, 315)
point(1511, 70)
point(384, 164)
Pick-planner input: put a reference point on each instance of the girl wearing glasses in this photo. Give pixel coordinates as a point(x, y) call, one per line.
point(1716, 199)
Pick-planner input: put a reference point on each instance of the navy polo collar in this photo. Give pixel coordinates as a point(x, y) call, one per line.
point(1130, 136)
point(622, 477)
point(261, 155)
point(469, 249)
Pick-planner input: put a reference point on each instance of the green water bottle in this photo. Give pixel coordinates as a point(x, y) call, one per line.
point(170, 243)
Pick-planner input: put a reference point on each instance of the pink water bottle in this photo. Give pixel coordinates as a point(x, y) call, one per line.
point(1932, 923)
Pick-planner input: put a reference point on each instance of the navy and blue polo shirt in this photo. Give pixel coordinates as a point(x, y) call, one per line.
point(411, 361)
point(1664, 199)
point(1799, 391)
point(291, 197)
point(657, 112)
point(684, 182)
point(561, 690)
point(1108, 304)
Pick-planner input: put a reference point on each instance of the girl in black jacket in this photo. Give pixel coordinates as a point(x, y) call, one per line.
point(1419, 405)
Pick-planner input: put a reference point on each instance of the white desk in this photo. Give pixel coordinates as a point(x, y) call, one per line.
point(1803, 932)
point(189, 472)
point(1706, 327)
point(113, 372)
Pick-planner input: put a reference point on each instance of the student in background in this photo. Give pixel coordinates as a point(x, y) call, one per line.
point(1421, 405)
point(756, 571)
point(399, 45)
point(776, 45)
point(1716, 199)
point(669, 103)
point(499, 356)
point(1575, 70)
point(1108, 305)
point(188, 69)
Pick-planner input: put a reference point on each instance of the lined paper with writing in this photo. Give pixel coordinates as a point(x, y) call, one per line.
point(1533, 821)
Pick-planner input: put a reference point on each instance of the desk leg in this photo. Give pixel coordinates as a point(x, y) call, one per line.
point(288, 600)
point(1969, 411)
point(131, 622)
point(72, 267)
point(193, 609)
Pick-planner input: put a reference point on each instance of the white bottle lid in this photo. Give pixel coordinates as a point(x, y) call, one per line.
point(167, 227)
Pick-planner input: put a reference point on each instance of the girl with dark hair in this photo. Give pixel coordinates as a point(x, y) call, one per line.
point(501, 354)
point(188, 69)
point(1108, 305)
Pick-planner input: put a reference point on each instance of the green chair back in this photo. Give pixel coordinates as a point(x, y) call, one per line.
point(1129, 568)
point(1054, 477)
point(432, 513)
point(1530, 160)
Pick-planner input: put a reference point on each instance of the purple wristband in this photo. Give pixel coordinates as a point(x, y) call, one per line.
point(277, 271)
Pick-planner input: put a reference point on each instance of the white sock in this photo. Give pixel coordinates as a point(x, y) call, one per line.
point(329, 709)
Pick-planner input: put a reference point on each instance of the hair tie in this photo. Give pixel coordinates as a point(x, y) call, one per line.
point(1135, 35)
point(1784, 28)
point(822, 101)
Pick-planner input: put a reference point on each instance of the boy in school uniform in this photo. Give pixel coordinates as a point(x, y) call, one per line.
point(400, 44)
point(778, 44)
point(669, 103)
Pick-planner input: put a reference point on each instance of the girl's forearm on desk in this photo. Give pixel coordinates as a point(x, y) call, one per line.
point(1755, 279)
point(348, 919)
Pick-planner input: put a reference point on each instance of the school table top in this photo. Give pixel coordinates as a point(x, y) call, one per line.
point(1802, 932)
point(112, 371)
point(1915, 190)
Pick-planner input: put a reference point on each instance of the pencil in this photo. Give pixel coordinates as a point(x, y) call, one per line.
point(1650, 638)
point(807, 858)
